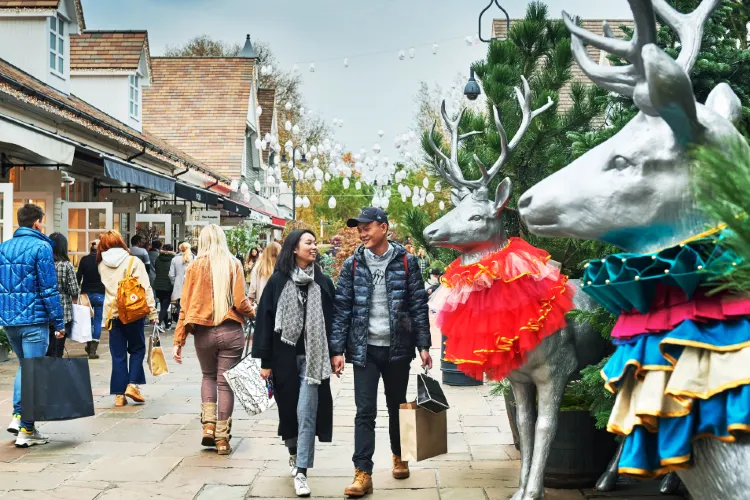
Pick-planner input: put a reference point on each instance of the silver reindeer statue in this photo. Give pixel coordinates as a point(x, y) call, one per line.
point(475, 228)
point(634, 190)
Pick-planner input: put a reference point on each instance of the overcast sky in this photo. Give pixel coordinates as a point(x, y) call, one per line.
point(376, 91)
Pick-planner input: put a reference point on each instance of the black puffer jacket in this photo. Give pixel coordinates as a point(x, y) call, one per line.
point(407, 301)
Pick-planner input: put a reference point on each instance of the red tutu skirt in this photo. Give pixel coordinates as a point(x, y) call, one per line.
point(495, 311)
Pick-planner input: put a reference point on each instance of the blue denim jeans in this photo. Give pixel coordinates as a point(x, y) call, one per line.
point(97, 302)
point(307, 415)
point(27, 341)
point(124, 340)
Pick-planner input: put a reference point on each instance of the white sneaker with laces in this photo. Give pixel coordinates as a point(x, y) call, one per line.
point(15, 425)
point(24, 439)
point(293, 465)
point(300, 485)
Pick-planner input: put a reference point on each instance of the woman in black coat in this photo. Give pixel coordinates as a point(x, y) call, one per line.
point(293, 327)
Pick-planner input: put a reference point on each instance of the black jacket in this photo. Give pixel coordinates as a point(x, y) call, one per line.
point(162, 264)
point(407, 300)
point(267, 345)
point(88, 271)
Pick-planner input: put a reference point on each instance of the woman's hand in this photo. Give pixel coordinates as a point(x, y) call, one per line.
point(177, 353)
point(265, 373)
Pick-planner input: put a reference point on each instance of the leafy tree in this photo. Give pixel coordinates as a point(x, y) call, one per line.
point(203, 46)
point(242, 238)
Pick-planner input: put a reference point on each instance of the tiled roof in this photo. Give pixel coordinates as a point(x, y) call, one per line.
point(43, 4)
point(107, 50)
point(499, 29)
point(266, 100)
point(24, 87)
point(201, 105)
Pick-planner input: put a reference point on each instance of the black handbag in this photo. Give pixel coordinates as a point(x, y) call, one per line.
point(430, 395)
point(56, 389)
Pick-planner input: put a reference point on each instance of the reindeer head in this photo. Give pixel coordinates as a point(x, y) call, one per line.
point(634, 190)
point(475, 226)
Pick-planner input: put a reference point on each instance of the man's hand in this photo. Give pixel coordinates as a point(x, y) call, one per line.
point(265, 373)
point(60, 334)
point(426, 359)
point(177, 353)
point(337, 365)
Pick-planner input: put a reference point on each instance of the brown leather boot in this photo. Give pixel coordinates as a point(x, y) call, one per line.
point(120, 400)
point(134, 393)
point(223, 430)
point(208, 419)
point(400, 468)
point(361, 486)
point(91, 349)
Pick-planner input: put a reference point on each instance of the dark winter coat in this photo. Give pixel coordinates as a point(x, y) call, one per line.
point(267, 345)
point(88, 274)
point(28, 281)
point(407, 304)
point(162, 265)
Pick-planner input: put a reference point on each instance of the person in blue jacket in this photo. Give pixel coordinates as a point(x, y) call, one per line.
point(29, 303)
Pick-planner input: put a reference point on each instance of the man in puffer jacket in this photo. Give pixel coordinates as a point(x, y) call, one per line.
point(29, 303)
point(380, 317)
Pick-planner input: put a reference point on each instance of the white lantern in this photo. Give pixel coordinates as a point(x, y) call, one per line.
point(405, 138)
point(430, 197)
point(234, 185)
point(469, 40)
point(259, 110)
point(318, 174)
point(434, 48)
point(426, 183)
point(257, 186)
point(412, 135)
point(376, 148)
point(313, 150)
point(327, 177)
point(316, 162)
point(288, 106)
point(273, 199)
point(298, 201)
point(263, 145)
point(384, 203)
point(441, 205)
point(288, 126)
point(401, 55)
point(415, 191)
point(345, 182)
point(415, 201)
point(381, 133)
point(295, 130)
point(258, 144)
point(267, 137)
point(422, 193)
point(302, 111)
point(412, 52)
point(346, 62)
point(312, 67)
point(295, 68)
point(331, 202)
point(421, 202)
point(403, 197)
point(284, 187)
point(276, 160)
point(358, 185)
point(246, 197)
point(438, 186)
point(318, 185)
point(270, 181)
point(243, 188)
point(309, 174)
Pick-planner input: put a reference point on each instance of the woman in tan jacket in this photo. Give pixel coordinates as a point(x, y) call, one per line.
point(213, 307)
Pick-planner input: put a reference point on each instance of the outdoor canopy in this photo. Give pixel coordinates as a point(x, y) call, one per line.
point(233, 206)
point(190, 193)
point(42, 145)
point(131, 174)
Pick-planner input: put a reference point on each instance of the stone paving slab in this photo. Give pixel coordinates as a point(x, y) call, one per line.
point(152, 451)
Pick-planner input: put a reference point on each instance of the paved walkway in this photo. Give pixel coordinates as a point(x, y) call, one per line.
point(153, 451)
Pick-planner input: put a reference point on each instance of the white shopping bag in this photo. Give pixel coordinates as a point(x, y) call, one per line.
point(81, 329)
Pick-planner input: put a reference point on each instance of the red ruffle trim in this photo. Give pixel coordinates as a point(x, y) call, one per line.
point(495, 327)
point(671, 307)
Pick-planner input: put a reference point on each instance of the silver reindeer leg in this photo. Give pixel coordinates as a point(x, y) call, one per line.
point(608, 480)
point(550, 394)
point(525, 393)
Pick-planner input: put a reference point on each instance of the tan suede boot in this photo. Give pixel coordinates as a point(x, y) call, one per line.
point(208, 419)
point(223, 430)
point(361, 486)
point(400, 468)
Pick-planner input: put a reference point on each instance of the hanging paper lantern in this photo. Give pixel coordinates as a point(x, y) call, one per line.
point(276, 160)
point(384, 202)
point(258, 144)
point(246, 197)
point(318, 185)
point(412, 135)
point(316, 162)
point(376, 148)
point(288, 106)
point(298, 201)
point(358, 185)
point(421, 202)
point(263, 145)
point(288, 126)
point(295, 130)
point(346, 62)
point(327, 177)
point(270, 181)
point(441, 205)
point(312, 67)
point(235, 185)
point(412, 52)
point(273, 199)
point(438, 186)
point(426, 183)
point(345, 182)
point(305, 202)
point(415, 201)
point(403, 197)
point(430, 197)
point(267, 137)
point(283, 186)
point(259, 110)
point(309, 174)
point(434, 48)
point(416, 191)
point(256, 186)
point(295, 68)
point(243, 188)
point(313, 150)
point(331, 202)
point(318, 174)
point(422, 193)
point(302, 110)
point(469, 40)
point(381, 133)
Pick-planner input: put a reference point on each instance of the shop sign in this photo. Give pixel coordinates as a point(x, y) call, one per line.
point(122, 200)
point(176, 211)
point(209, 216)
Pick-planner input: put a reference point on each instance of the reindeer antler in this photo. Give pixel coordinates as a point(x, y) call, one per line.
point(630, 80)
point(449, 168)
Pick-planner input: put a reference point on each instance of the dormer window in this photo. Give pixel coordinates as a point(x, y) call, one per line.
point(57, 45)
point(135, 94)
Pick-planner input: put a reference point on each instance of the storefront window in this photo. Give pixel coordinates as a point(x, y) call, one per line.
point(85, 223)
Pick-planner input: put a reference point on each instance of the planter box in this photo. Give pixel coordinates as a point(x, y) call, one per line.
point(4, 351)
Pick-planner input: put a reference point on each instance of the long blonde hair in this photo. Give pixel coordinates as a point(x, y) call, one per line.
point(268, 260)
point(212, 244)
point(187, 254)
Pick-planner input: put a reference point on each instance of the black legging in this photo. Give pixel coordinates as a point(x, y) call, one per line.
point(165, 298)
point(56, 347)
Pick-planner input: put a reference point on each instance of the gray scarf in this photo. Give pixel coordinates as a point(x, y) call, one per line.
point(290, 320)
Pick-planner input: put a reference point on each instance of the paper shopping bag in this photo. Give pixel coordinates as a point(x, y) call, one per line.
point(156, 361)
point(56, 389)
point(423, 434)
point(81, 328)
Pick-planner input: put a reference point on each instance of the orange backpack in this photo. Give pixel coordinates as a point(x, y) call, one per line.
point(131, 298)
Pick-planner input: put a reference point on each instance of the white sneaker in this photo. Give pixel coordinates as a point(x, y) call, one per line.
point(293, 465)
point(300, 485)
point(15, 425)
point(24, 440)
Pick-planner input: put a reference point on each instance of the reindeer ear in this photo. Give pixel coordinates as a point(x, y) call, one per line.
point(671, 94)
point(725, 102)
point(502, 195)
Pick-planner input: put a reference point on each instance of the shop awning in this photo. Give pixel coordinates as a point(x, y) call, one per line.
point(131, 174)
point(198, 195)
point(45, 146)
point(234, 207)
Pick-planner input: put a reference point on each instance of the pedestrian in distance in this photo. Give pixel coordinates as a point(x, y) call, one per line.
point(127, 341)
point(163, 284)
point(251, 259)
point(293, 326)
point(29, 302)
point(138, 249)
point(381, 316)
point(93, 288)
point(213, 309)
point(69, 290)
point(177, 270)
point(153, 248)
point(262, 272)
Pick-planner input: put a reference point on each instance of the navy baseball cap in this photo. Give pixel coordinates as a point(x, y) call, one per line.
point(368, 214)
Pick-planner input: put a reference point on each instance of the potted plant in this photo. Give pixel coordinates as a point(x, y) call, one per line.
point(5, 348)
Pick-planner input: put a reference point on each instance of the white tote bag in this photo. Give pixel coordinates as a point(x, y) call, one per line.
point(81, 329)
point(249, 389)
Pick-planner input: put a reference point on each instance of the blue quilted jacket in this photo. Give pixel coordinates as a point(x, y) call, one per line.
point(28, 281)
point(407, 304)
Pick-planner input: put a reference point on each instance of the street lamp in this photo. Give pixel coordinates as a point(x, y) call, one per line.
point(294, 177)
point(472, 90)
